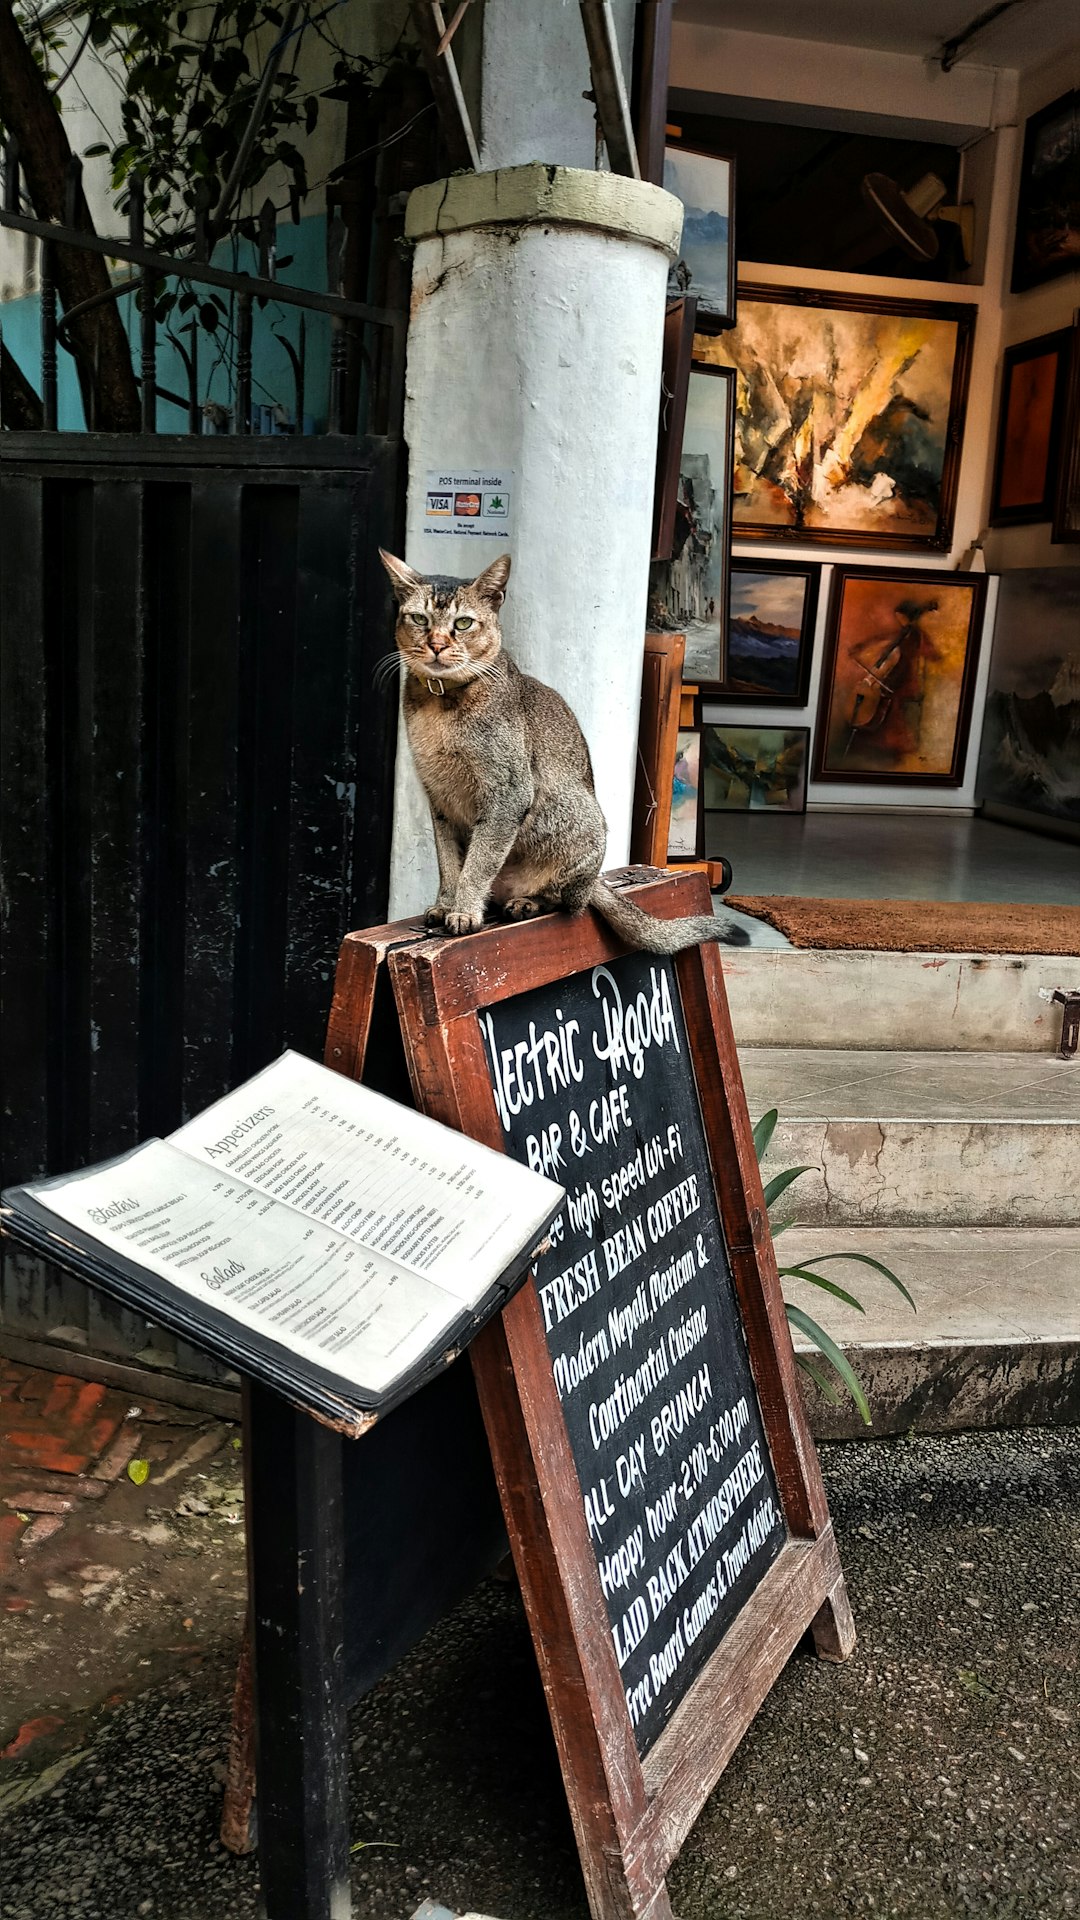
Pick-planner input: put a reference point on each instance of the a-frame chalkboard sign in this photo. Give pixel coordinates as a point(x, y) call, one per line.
point(660, 1487)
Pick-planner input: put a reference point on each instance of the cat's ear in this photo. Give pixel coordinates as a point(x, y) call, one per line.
point(491, 584)
point(402, 578)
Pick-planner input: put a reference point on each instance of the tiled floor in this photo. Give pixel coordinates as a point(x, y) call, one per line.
point(876, 856)
point(844, 1084)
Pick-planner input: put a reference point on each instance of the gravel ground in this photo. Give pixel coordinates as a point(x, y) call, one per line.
point(936, 1775)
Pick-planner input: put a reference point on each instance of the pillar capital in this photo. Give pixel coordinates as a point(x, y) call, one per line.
point(548, 195)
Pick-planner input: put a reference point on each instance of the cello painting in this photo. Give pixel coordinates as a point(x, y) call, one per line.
point(898, 678)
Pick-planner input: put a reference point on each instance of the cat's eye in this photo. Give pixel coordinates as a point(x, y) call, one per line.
point(463, 623)
point(419, 619)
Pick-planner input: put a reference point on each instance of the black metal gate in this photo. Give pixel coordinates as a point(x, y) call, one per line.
point(195, 790)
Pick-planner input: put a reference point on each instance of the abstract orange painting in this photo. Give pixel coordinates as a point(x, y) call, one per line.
point(899, 674)
point(1033, 382)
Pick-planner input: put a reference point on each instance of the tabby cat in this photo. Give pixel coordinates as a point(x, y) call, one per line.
point(507, 772)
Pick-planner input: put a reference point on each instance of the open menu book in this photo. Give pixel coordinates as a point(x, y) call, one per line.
point(326, 1240)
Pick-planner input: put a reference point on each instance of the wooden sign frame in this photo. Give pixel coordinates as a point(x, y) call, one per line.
point(630, 1815)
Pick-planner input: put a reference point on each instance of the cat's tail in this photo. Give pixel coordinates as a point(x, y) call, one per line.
point(652, 935)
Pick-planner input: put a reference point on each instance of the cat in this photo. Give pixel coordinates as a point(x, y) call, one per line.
point(507, 773)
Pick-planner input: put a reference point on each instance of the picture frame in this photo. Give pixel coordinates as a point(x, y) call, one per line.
point(679, 327)
point(1027, 761)
point(705, 183)
point(772, 619)
point(686, 829)
point(1047, 241)
point(880, 466)
point(898, 676)
point(688, 593)
point(1034, 385)
point(1066, 518)
point(754, 769)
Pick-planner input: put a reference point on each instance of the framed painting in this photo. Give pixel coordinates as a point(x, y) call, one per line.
point(685, 832)
point(770, 636)
point(705, 183)
point(1066, 525)
point(754, 769)
point(679, 323)
point(850, 416)
point(901, 648)
point(1048, 205)
point(1027, 757)
point(1034, 383)
point(689, 592)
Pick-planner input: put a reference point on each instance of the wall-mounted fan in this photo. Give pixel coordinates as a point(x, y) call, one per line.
point(911, 217)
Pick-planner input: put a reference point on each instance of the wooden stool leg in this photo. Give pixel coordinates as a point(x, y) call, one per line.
point(296, 1572)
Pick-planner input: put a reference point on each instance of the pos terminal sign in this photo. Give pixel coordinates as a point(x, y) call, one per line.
point(471, 502)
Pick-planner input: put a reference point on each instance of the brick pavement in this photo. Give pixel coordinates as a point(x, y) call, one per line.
point(105, 1574)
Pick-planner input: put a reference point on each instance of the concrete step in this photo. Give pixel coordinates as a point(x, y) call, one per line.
point(922, 1139)
point(802, 997)
point(995, 1340)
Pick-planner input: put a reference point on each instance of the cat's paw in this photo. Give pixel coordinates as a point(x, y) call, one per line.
point(464, 919)
point(435, 916)
point(522, 908)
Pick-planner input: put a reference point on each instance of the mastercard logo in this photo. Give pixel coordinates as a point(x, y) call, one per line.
point(466, 505)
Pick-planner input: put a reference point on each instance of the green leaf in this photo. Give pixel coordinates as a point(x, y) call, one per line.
point(823, 1384)
point(138, 1471)
point(781, 1181)
point(974, 1685)
point(827, 1286)
point(865, 1260)
point(832, 1353)
point(95, 152)
point(764, 1131)
point(781, 1226)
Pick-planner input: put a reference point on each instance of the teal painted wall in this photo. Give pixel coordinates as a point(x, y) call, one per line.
point(272, 376)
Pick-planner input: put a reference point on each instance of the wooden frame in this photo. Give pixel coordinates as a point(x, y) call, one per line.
point(1066, 525)
point(1063, 260)
point(717, 349)
point(1049, 427)
point(652, 65)
point(679, 323)
point(743, 693)
point(765, 726)
point(630, 1815)
point(909, 579)
point(658, 730)
point(713, 316)
point(664, 577)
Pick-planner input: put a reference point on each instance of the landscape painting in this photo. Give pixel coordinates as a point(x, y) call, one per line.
point(703, 183)
point(689, 593)
point(1030, 752)
point(773, 608)
point(901, 650)
point(754, 769)
point(1048, 207)
point(849, 416)
point(684, 835)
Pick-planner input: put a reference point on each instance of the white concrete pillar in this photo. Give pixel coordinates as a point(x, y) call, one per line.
point(534, 353)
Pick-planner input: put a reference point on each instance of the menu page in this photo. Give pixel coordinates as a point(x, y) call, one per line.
point(347, 1308)
point(396, 1182)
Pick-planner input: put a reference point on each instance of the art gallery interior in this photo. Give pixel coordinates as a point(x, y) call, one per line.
point(861, 139)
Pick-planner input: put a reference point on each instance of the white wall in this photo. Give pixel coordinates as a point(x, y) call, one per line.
point(909, 96)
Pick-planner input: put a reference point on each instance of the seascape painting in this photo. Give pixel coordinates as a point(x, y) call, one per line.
point(703, 183)
point(1030, 753)
point(1048, 208)
point(683, 835)
point(754, 769)
point(688, 593)
point(898, 676)
point(770, 632)
point(849, 416)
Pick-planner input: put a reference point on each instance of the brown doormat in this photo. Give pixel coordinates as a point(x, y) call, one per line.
point(917, 926)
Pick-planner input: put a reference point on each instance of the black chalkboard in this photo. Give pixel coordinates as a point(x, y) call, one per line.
point(594, 1085)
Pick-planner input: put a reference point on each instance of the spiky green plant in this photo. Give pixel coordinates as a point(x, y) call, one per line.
point(797, 1317)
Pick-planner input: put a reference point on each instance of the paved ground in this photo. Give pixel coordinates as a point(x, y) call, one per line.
point(936, 1775)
